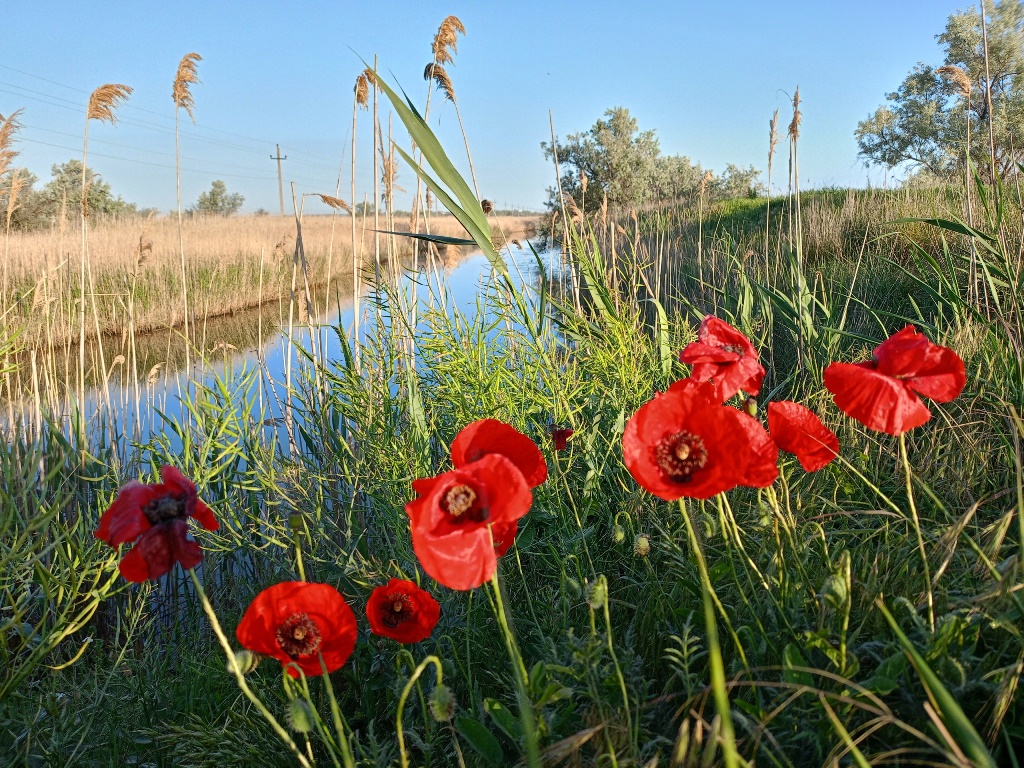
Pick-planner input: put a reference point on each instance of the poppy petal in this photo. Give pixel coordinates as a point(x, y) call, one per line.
point(124, 521)
point(797, 430)
point(876, 400)
point(159, 548)
point(724, 355)
point(487, 436)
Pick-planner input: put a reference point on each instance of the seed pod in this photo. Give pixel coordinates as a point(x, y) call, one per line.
point(442, 703)
point(597, 593)
point(300, 716)
point(246, 661)
point(642, 545)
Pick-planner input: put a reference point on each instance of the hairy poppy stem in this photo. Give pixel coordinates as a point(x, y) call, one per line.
point(339, 721)
point(718, 689)
point(239, 677)
point(521, 676)
point(405, 695)
point(917, 530)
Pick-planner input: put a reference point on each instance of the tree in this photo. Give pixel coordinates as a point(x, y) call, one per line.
point(217, 201)
point(617, 158)
point(928, 118)
point(64, 192)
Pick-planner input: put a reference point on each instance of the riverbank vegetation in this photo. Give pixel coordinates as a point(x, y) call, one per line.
point(729, 608)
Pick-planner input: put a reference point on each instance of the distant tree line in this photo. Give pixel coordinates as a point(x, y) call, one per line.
point(615, 160)
point(62, 196)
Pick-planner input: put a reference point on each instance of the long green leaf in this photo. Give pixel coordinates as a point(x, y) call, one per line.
point(442, 239)
point(956, 722)
point(481, 236)
point(434, 154)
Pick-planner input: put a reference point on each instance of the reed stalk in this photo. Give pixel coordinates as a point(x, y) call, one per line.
point(181, 93)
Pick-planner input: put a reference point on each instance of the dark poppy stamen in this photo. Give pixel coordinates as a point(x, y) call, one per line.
point(299, 636)
point(397, 609)
point(680, 455)
point(164, 508)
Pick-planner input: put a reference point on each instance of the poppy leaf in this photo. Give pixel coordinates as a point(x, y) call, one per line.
point(504, 719)
point(480, 739)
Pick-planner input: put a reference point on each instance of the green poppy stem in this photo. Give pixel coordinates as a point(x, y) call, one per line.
point(718, 689)
point(917, 530)
point(239, 677)
point(521, 676)
point(340, 726)
point(405, 695)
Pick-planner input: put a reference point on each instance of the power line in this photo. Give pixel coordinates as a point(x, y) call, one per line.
point(306, 182)
point(80, 108)
point(141, 109)
point(139, 149)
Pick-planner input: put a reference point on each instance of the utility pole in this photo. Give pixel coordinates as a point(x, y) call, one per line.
point(280, 185)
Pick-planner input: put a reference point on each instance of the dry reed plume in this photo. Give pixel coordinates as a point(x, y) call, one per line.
point(335, 202)
point(794, 125)
point(183, 80)
point(8, 126)
point(773, 138)
point(362, 89)
point(104, 100)
point(441, 80)
point(446, 41)
point(958, 77)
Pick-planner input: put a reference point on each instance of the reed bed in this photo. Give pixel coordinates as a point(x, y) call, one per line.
point(136, 261)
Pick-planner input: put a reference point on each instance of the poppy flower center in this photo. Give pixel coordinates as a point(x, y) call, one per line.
point(460, 501)
point(299, 636)
point(680, 455)
point(164, 508)
point(400, 610)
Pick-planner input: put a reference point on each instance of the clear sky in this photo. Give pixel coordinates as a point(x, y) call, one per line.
point(705, 75)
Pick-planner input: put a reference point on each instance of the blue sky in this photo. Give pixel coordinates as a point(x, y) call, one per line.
point(706, 76)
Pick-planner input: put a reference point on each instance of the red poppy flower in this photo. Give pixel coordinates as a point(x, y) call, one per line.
point(402, 611)
point(797, 430)
point(882, 392)
point(686, 443)
point(560, 436)
point(487, 436)
point(157, 515)
point(725, 357)
point(295, 622)
point(463, 520)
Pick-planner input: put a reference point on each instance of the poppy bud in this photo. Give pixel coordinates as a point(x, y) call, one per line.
point(246, 661)
point(295, 522)
point(618, 533)
point(442, 703)
point(750, 406)
point(300, 716)
point(597, 593)
point(642, 545)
